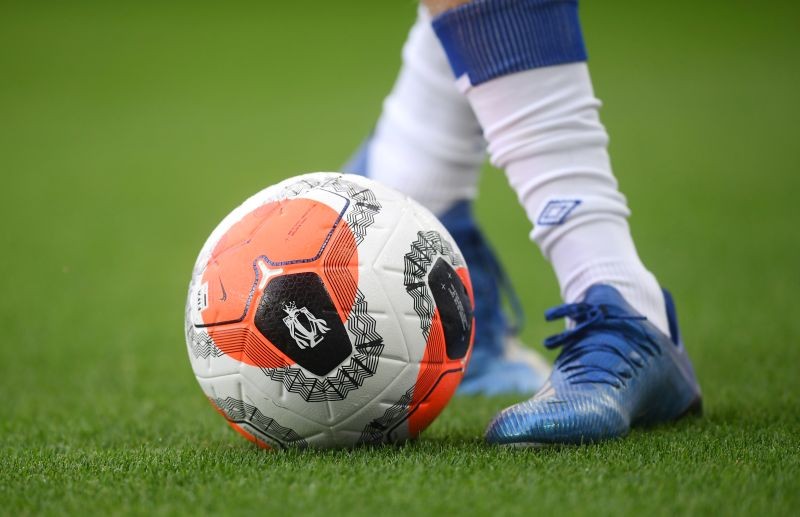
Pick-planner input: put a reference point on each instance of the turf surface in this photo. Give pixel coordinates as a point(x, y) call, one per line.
point(127, 132)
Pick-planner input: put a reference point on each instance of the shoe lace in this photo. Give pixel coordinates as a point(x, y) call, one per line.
point(608, 333)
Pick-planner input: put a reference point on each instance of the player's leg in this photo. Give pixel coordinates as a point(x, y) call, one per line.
point(428, 145)
point(521, 65)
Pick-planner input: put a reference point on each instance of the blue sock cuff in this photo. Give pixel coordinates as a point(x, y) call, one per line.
point(485, 39)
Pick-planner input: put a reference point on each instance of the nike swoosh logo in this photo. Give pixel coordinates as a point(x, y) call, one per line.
point(224, 293)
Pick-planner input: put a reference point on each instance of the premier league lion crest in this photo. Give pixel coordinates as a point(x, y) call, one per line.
point(308, 333)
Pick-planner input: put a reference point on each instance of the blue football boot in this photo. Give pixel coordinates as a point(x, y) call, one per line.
point(616, 370)
point(500, 364)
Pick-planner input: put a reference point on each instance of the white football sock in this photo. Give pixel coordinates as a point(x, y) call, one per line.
point(543, 128)
point(427, 143)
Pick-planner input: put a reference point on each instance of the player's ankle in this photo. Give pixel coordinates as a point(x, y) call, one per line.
point(634, 282)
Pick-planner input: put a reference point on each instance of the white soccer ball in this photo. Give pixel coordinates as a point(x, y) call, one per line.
point(329, 311)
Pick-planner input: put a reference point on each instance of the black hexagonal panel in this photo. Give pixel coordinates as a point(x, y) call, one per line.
point(297, 315)
point(455, 309)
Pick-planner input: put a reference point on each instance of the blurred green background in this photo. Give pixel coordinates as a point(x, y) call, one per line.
point(128, 130)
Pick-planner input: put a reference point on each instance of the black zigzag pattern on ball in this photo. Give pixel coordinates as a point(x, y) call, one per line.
point(424, 251)
point(367, 343)
point(264, 427)
point(366, 206)
point(298, 188)
point(366, 203)
point(418, 263)
point(200, 343)
point(377, 431)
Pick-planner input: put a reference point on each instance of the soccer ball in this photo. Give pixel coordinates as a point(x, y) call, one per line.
point(329, 311)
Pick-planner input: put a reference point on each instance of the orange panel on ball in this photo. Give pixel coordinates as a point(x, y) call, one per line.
point(278, 238)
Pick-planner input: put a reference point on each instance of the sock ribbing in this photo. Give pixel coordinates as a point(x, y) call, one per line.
point(485, 39)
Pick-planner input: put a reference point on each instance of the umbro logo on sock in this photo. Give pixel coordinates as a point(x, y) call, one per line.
point(555, 212)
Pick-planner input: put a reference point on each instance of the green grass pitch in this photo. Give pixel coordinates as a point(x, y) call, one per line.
point(128, 130)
